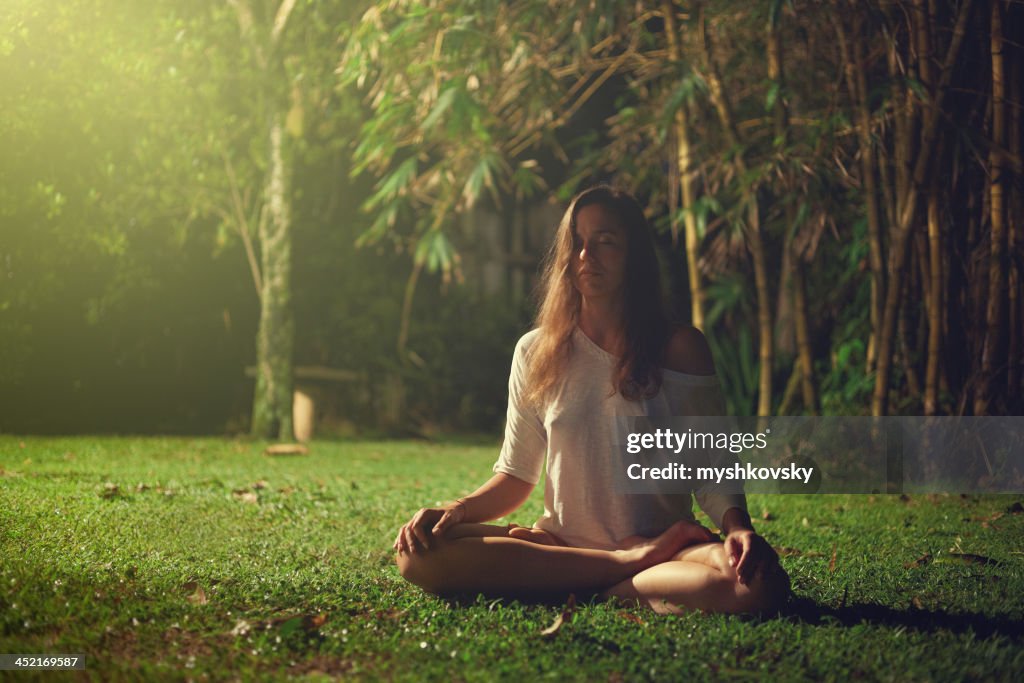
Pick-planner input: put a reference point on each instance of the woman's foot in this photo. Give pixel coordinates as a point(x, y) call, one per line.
point(661, 548)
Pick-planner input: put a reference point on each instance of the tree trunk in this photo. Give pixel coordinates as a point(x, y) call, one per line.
point(992, 353)
point(272, 403)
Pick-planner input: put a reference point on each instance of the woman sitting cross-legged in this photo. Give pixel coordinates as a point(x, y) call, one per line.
point(602, 348)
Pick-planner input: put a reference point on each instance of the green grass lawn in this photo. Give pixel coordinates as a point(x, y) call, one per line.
point(175, 558)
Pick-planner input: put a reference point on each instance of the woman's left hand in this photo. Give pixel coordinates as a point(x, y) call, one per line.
point(749, 554)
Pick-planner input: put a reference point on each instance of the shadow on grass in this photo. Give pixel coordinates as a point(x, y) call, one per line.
point(807, 611)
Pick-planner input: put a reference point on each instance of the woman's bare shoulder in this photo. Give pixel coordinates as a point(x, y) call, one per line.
point(688, 351)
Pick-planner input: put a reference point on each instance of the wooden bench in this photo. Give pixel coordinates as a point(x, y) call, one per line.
point(306, 379)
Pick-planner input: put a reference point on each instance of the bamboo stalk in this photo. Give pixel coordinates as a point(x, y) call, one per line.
point(908, 214)
point(931, 383)
point(1015, 241)
point(857, 85)
point(995, 315)
point(803, 339)
point(753, 225)
point(776, 73)
point(904, 327)
point(684, 162)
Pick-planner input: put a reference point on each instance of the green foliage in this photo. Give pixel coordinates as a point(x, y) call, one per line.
point(467, 86)
point(736, 365)
point(728, 324)
point(845, 387)
point(466, 343)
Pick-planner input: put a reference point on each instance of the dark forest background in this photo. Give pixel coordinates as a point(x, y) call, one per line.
point(365, 190)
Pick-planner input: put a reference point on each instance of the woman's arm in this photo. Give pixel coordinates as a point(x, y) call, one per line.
point(748, 552)
point(734, 519)
point(500, 495)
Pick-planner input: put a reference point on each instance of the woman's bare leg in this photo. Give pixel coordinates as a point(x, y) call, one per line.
point(535, 535)
point(482, 558)
point(699, 577)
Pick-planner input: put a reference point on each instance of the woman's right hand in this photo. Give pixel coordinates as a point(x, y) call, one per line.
point(426, 523)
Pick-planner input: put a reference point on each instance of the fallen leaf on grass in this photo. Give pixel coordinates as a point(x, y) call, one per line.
point(919, 562)
point(286, 449)
point(242, 628)
point(916, 601)
point(245, 496)
point(965, 558)
point(990, 518)
point(832, 562)
point(294, 623)
point(632, 617)
point(261, 484)
point(392, 614)
point(198, 596)
point(562, 619)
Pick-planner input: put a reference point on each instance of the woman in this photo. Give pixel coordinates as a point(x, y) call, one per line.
point(602, 347)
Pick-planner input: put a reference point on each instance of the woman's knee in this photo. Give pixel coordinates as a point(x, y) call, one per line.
point(425, 569)
point(767, 591)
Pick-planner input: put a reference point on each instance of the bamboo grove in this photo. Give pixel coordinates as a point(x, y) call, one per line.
point(845, 176)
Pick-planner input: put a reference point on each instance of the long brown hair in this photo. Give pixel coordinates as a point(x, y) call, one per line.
point(638, 373)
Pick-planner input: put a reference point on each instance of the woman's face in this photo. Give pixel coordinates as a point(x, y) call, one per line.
point(598, 263)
